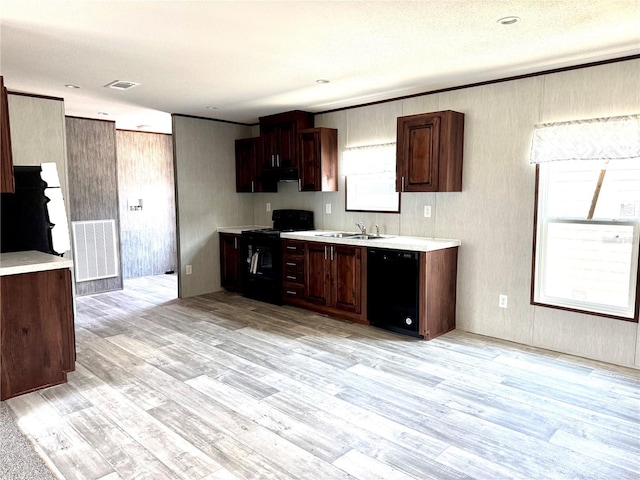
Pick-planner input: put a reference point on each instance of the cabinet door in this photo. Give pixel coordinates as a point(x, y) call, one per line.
point(246, 158)
point(269, 134)
point(418, 153)
point(318, 160)
point(317, 273)
point(346, 278)
point(310, 180)
point(7, 183)
point(37, 346)
point(286, 154)
point(230, 261)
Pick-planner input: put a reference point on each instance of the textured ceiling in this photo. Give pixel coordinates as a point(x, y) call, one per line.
point(253, 58)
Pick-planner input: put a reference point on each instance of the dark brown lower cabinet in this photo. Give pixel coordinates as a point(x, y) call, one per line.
point(333, 279)
point(37, 339)
point(230, 262)
point(438, 278)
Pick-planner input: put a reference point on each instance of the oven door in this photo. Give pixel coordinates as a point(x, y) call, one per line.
point(262, 269)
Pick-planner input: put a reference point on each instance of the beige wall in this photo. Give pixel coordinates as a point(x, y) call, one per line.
point(492, 216)
point(206, 198)
point(38, 135)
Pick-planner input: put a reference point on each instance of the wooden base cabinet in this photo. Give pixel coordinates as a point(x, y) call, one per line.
point(437, 300)
point(334, 279)
point(230, 262)
point(37, 339)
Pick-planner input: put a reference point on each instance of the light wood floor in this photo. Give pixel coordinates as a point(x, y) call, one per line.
point(222, 387)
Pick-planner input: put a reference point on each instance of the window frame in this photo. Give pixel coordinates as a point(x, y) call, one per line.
point(535, 273)
point(361, 175)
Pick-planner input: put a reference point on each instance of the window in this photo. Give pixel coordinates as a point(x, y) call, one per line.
point(371, 178)
point(588, 216)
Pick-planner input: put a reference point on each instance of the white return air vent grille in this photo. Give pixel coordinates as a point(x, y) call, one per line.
point(94, 250)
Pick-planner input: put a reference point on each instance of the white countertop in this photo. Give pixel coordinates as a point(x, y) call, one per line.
point(14, 263)
point(400, 242)
point(239, 230)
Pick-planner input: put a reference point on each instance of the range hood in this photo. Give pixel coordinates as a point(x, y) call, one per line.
point(280, 175)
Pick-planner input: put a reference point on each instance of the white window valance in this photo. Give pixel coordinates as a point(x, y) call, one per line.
point(612, 138)
point(368, 159)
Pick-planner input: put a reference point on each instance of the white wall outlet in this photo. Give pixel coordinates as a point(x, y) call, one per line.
point(427, 211)
point(327, 208)
point(502, 301)
point(189, 270)
point(268, 207)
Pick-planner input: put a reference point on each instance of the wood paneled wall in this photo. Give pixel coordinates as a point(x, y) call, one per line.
point(93, 183)
point(145, 171)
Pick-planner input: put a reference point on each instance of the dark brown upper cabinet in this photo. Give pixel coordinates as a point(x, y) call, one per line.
point(249, 152)
point(280, 139)
point(7, 184)
point(429, 152)
point(318, 160)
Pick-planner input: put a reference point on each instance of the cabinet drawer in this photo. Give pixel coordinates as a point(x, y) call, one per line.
point(293, 292)
point(292, 247)
point(294, 277)
point(293, 265)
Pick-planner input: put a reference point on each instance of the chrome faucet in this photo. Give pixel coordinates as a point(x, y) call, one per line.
point(363, 229)
point(377, 230)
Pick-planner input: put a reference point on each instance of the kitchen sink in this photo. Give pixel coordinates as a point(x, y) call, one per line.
point(336, 235)
point(366, 236)
point(354, 236)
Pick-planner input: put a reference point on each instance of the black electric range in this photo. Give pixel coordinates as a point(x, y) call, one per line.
point(262, 252)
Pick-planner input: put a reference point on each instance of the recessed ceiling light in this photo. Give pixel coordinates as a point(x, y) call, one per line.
point(508, 20)
point(211, 107)
point(122, 84)
point(322, 80)
point(69, 85)
point(103, 113)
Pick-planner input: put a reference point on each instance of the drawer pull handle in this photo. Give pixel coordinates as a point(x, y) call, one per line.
point(291, 277)
point(292, 264)
point(291, 292)
point(291, 248)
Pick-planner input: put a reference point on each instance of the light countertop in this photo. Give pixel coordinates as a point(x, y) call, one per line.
point(399, 242)
point(14, 263)
point(239, 230)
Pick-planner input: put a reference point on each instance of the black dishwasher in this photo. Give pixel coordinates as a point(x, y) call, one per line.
point(392, 290)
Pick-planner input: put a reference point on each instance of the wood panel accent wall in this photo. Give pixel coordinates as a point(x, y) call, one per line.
point(145, 171)
point(93, 183)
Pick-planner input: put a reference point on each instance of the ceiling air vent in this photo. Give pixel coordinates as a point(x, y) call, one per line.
point(122, 84)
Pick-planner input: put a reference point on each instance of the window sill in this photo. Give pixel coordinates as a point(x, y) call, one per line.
point(633, 319)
